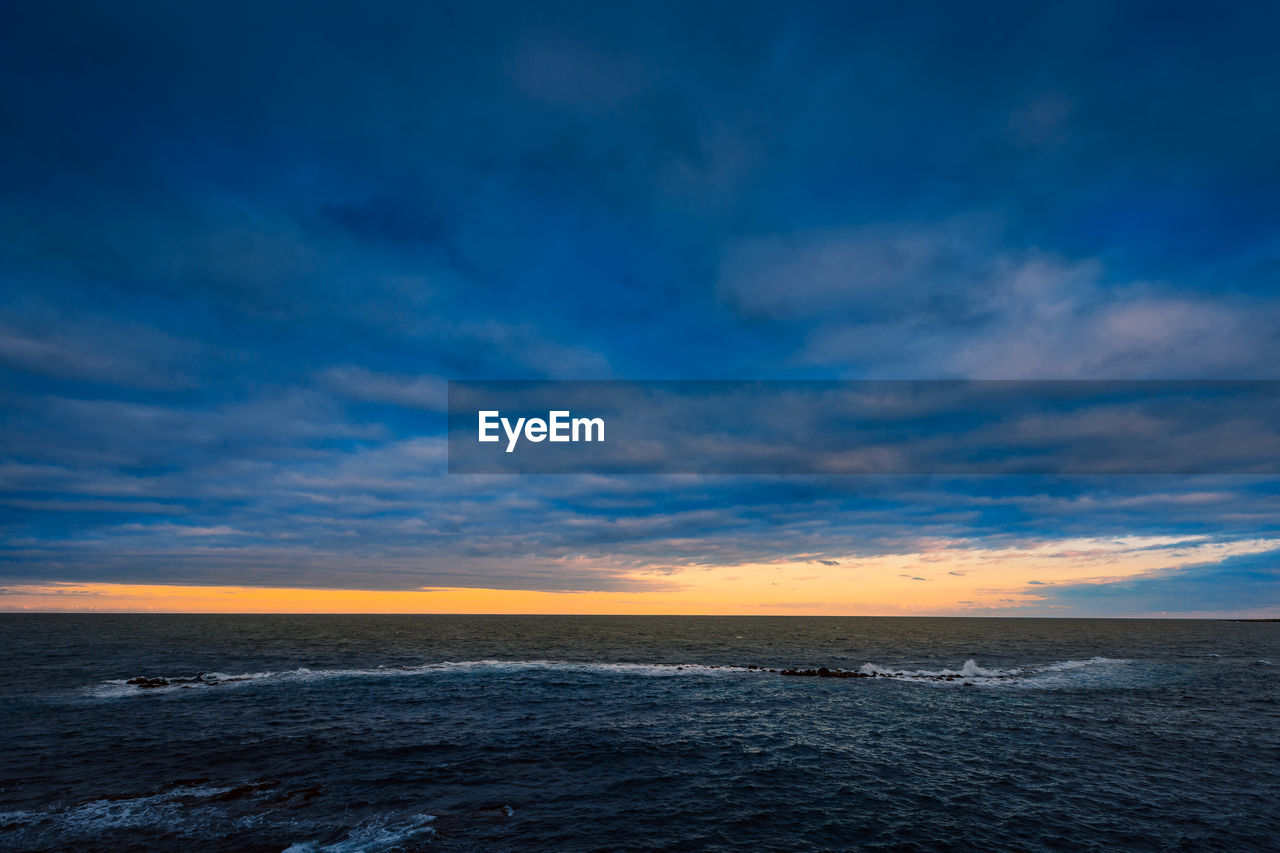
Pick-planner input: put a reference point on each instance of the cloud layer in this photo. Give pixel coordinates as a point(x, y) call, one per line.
point(242, 249)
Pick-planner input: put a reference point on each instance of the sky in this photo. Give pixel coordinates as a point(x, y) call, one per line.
point(245, 246)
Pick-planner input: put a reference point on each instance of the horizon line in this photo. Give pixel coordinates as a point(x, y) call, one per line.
point(36, 612)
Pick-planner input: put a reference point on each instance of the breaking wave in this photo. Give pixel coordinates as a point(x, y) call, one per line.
point(168, 684)
point(373, 836)
point(111, 814)
point(197, 811)
point(970, 673)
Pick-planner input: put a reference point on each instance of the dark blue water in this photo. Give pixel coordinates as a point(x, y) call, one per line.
point(595, 733)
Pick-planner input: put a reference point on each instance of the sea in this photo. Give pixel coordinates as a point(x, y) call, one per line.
point(528, 733)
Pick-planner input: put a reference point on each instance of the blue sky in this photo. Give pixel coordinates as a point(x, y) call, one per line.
point(244, 245)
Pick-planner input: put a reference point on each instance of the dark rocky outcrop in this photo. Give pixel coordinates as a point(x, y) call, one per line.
point(823, 672)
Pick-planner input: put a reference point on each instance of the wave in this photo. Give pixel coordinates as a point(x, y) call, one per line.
point(168, 684)
point(194, 810)
point(969, 670)
point(115, 813)
point(970, 673)
point(373, 836)
point(973, 674)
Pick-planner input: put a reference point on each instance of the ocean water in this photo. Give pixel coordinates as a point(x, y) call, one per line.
point(379, 733)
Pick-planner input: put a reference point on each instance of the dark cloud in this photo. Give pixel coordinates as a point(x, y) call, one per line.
point(884, 427)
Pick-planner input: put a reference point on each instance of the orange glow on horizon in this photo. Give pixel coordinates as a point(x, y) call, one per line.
point(946, 579)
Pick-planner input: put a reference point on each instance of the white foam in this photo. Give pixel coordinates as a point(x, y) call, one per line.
point(1039, 675)
point(372, 837)
point(114, 688)
point(969, 670)
point(96, 816)
point(968, 673)
point(1078, 664)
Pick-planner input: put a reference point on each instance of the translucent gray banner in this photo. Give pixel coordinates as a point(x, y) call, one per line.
point(864, 427)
